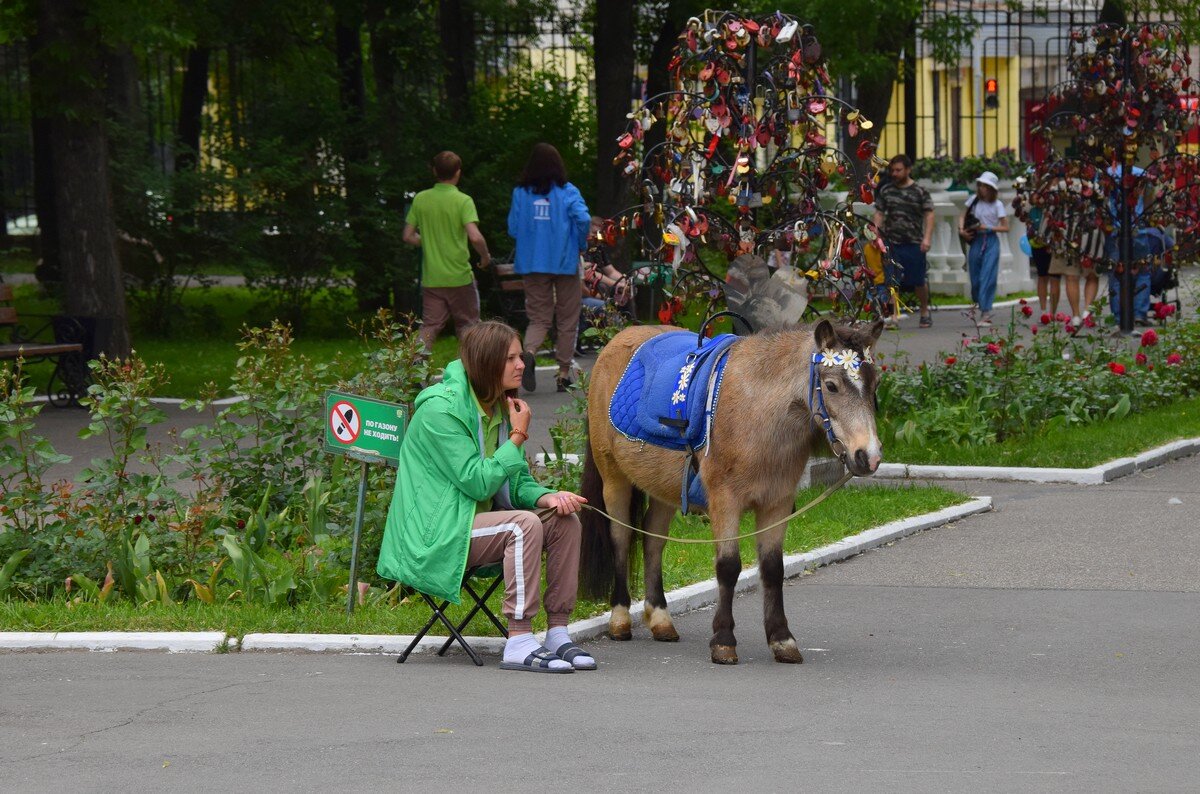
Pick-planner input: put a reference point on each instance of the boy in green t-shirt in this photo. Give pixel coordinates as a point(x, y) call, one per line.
point(441, 221)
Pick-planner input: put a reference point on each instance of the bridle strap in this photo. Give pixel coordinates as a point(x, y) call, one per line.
point(816, 407)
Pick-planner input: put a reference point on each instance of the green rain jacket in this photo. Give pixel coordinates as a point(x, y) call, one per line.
point(440, 477)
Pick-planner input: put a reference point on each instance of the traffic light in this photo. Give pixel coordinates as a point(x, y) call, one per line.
point(991, 95)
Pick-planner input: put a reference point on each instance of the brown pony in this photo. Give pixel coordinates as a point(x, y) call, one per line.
point(763, 432)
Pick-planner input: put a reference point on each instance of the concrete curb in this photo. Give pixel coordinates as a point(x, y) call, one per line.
point(1096, 475)
point(360, 643)
point(684, 599)
point(173, 641)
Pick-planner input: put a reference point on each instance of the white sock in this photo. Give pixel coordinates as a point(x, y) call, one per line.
point(520, 646)
point(557, 637)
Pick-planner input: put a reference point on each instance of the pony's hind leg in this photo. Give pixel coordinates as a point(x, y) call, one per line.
point(725, 512)
point(658, 619)
point(618, 497)
point(770, 567)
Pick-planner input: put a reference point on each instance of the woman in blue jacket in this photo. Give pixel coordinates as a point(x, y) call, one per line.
point(549, 221)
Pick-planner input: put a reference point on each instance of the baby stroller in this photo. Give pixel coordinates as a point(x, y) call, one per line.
point(1163, 280)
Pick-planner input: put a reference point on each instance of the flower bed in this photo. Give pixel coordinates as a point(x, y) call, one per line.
point(1011, 384)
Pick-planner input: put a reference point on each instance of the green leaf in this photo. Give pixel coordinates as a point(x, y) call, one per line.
point(1121, 409)
point(10, 567)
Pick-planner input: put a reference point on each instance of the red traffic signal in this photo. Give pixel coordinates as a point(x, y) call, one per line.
point(991, 89)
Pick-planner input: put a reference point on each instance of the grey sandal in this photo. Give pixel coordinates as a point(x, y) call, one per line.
point(537, 662)
point(569, 652)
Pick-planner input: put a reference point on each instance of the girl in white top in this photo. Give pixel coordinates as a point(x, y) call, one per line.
point(983, 257)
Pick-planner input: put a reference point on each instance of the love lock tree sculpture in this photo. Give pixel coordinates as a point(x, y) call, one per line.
point(1118, 192)
point(746, 153)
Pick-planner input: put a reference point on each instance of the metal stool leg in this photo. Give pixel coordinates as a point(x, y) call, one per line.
point(480, 604)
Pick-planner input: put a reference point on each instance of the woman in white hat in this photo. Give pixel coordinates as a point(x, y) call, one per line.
point(981, 222)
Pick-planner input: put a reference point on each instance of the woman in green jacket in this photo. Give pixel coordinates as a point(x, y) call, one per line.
point(464, 499)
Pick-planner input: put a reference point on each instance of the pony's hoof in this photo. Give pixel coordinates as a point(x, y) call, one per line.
point(724, 654)
point(787, 652)
point(619, 625)
point(665, 633)
point(661, 627)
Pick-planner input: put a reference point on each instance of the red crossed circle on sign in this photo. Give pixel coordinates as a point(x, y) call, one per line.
point(345, 422)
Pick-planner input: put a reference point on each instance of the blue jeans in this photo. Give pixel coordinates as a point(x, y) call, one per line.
point(983, 265)
point(1141, 293)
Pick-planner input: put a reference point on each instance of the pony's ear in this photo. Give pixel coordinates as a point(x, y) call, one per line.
point(824, 336)
point(876, 330)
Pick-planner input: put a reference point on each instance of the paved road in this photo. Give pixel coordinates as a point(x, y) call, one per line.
point(1049, 645)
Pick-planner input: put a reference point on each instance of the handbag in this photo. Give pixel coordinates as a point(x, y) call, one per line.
point(970, 223)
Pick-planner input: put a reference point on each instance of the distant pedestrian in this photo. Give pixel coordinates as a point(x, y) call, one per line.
point(549, 221)
point(981, 223)
point(904, 211)
point(441, 221)
point(1049, 285)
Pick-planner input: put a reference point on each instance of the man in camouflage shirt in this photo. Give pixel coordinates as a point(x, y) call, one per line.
point(904, 211)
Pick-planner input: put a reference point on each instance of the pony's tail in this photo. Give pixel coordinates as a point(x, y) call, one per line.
point(596, 569)
point(597, 565)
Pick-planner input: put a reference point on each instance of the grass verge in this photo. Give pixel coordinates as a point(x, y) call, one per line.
point(845, 513)
point(1081, 446)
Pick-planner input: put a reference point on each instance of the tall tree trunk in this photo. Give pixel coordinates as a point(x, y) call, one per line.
point(370, 282)
point(49, 270)
point(456, 27)
point(73, 104)
point(191, 108)
point(614, 64)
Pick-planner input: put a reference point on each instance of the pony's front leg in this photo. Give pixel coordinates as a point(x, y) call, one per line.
point(770, 572)
point(658, 619)
point(725, 512)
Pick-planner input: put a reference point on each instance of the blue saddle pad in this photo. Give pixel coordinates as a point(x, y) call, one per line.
point(670, 377)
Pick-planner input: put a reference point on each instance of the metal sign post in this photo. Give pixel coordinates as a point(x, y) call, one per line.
point(369, 431)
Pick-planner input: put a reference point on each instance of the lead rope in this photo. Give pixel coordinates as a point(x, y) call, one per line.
point(828, 491)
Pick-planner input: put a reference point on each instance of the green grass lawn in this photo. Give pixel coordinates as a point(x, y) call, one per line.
point(847, 512)
point(1080, 446)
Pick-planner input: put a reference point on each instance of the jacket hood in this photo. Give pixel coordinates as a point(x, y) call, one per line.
point(454, 388)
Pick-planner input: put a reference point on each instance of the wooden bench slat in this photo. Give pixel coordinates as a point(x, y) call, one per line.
point(8, 315)
point(6, 292)
point(33, 349)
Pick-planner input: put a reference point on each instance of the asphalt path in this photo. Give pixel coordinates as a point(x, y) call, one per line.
point(1050, 645)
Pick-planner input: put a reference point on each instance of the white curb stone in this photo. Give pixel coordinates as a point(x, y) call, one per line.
point(1096, 475)
point(360, 643)
point(173, 641)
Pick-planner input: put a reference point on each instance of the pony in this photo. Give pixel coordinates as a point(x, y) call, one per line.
point(766, 424)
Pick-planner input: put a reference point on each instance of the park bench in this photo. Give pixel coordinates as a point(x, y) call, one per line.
point(70, 378)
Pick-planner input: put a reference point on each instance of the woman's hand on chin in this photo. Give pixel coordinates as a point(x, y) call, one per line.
point(563, 502)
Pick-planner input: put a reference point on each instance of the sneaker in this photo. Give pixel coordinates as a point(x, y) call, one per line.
point(529, 376)
point(563, 383)
point(1142, 322)
point(1077, 322)
point(926, 322)
point(985, 321)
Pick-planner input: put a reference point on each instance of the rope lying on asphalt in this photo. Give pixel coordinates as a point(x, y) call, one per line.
point(828, 491)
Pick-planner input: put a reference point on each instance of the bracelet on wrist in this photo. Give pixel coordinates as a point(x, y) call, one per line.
point(514, 432)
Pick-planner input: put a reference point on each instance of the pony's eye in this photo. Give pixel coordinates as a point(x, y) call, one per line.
point(831, 386)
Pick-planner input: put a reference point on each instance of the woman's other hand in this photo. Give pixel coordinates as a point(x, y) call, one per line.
point(563, 502)
point(519, 415)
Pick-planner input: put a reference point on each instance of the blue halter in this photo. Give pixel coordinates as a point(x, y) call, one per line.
point(818, 409)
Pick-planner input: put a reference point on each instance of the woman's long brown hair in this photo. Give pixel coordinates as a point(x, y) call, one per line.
point(484, 352)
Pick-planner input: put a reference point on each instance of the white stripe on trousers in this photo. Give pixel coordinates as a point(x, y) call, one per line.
point(518, 560)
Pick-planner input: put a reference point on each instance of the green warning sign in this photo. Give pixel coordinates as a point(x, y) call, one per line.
point(363, 428)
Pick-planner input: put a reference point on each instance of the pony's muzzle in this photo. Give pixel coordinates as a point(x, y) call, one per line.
point(866, 463)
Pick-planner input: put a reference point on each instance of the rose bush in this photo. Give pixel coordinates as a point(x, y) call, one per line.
point(1004, 383)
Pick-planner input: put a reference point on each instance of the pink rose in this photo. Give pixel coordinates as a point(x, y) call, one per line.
point(993, 348)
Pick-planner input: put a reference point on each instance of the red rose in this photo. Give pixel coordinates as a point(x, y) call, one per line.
point(1024, 302)
point(1062, 318)
point(1116, 368)
point(241, 524)
point(1140, 358)
point(1089, 321)
point(1174, 358)
point(1150, 338)
point(1046, 318)
point(993, 348)
point(1070, 329)
point(1033, 328)
point(950, 360)
point(1027, 311)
